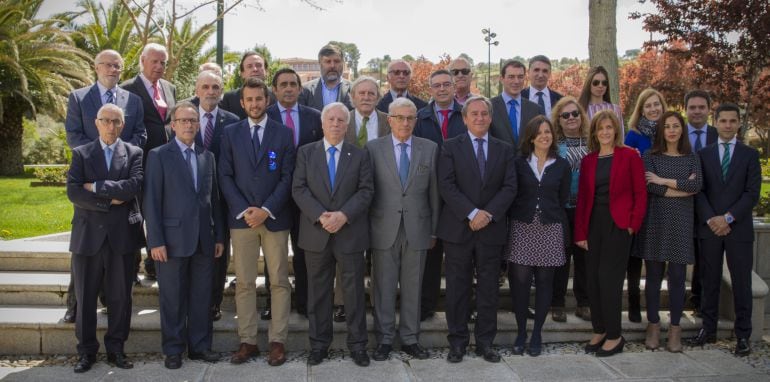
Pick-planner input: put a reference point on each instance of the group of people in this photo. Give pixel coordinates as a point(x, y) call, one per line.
point(395, 187)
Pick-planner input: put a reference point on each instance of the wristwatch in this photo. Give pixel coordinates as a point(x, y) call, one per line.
point(729, 218)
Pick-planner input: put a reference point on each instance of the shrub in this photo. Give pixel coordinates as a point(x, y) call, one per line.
point(52, 175)
point(51, 148)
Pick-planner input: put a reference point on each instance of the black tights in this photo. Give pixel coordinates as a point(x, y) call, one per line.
point(520, 277)
point(676, 275)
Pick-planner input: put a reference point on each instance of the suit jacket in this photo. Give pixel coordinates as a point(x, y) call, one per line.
point(553, 95)
point(312, 95)
point(628, 191)
point(261, 179)
point(178, 216)
point(95, 219)
point(387, 99)
point(417, 204)
point(383, 128)
point(463, 189)
point(158, 131)
point(428, 126)
point(83, 106)
point(501, 125)
point(231, 101)
point(309, 122)
point(352, 195)
point(223, 118)
point(738, 194)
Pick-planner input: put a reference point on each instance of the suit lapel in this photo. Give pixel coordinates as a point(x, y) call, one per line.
point(95, 98)
point(118, 161)
point(178, 156)
point(382, 123)
point(201, 162)
point(122, 98)
point(493, 155)
point(98, 163)
point(318, 95)
point(267, 138)
point(413, 162)
point(246, 142)
point(386, 152)
point(321, 165)
point(735, 157)
point(499, 108)
point(168, 95)
point(467, 148)
point(342, 166)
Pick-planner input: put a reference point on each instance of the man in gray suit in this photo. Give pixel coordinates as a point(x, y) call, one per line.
point(402, 220)
point(330, 87)
point(510, 111)
point(333, 189)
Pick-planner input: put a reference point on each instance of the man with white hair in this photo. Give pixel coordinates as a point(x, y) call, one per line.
point(399, 76)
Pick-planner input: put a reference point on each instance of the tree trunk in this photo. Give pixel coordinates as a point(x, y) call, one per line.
point(11, 131)
point(602, 47)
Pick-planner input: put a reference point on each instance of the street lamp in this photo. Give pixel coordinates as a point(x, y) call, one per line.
point(488, 37)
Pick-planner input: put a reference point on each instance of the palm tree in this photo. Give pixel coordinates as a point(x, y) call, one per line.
point(39, 66)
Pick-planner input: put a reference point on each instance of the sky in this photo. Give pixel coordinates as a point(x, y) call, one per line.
point(291, 28)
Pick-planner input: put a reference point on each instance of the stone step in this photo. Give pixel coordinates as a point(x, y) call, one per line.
point(36, 330)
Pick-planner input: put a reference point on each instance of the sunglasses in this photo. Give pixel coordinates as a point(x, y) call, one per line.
point(456, 72)
point(400, 72)
point(573, 113)
point(604, 83)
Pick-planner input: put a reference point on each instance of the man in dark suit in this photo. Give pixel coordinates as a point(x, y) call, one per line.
point(477, 181)
point(305, 125)
point(399, 76)
point(333, 188)
point(538, 90)
point(185, 235)
point(330, 87)
point(697, 105)
point(440, 120)
point(158, 96)
point(731, 183)
point(462, 75)
point(255, 169)
point(252, 66)
point(104, 178)
point(511, 111)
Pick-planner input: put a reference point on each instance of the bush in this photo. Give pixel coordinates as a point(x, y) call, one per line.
point(51, 148)
point(765, 168)
point(52, 175)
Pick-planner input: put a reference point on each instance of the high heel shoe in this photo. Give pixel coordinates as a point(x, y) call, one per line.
point(592, 348)
point(535, 345)
point(617, 349)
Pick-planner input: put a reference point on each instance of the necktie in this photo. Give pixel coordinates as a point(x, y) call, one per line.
point(191, 166)
point(403, 165)
point(513, 117)
point(332, 166)
point(255, 140)
point(480, 159)
point(725, 160)
point(208, 135)
point(363, 135)
point(160, 104)
point(110, 98)
point(108, 156)
point(444, 122)
point(540, 101)
point(290, 124)
point(698, 145)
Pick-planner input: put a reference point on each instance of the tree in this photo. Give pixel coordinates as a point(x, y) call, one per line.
point(351, 55)
point(39, 66)
point(407, 58)
point(570, 80)
point(602, 35)
point(421, 70)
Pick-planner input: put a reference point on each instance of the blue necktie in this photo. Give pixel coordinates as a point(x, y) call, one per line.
point(698, 145)
point(332, 165)
point(403, 166)
point(110, 99)
point(108, 156)
point(481, 160)
point(513, 116)
point(255, 140)
point(541, 101)
point(189, 158)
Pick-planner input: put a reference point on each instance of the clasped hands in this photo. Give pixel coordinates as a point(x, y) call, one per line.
point(255, 216)
point(719, 226)
point(333, 221)
point(481, 220)
point(90, 187)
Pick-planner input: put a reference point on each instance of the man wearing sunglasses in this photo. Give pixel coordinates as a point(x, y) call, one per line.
point(538, 90)
point(399, 76)
point(462, 75)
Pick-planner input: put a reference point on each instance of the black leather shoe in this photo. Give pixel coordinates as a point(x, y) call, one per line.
point(635, 316)
point(592, 348)
point(743, 347)
point(455, 355)
point(617, 349)
point(266, 315)
point(382, 352)
point(535, 346)
point(207, 356)
point(339, 313)
point(703, 338)
point(426, 315)
point(85, 362)
point(317, 356)
point(360, 357)
point(173, 361)
point(69, 316)
point(489, 354)
point(119, 360)
point(216, 313)
point(416, 351)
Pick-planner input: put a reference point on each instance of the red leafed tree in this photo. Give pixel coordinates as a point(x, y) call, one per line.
point(570, 80)
point(421, 70)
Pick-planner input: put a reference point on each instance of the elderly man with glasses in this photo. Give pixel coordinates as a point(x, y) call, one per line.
point(399, 76)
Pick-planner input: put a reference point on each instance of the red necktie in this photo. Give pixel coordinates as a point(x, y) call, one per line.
point(444, 122)
point(160, 104)
point(290, 125)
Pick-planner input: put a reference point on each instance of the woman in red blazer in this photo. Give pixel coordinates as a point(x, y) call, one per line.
point(611, 204)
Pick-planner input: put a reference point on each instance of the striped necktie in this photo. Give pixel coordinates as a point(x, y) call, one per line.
point(725, 160)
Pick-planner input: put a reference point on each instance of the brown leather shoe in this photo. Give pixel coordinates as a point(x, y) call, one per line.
point(244, 353)
point(277, 354)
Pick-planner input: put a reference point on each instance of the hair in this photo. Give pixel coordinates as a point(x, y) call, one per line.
point(639, 108)
point(697, 93)
point(336, 105)
point(476, 99)
point(539, 58)
point(151, 47)
point(460, 58)
point(255, 83)
point(531, 131)
point(440, 72)
point(585, 94)
point(512, 64)
point(399, 61)
point(210, 67)
point(556, 118)
point(183, 105)
point(107, 52)
point(601, 116)
point(285, 70)
point(329, 50)
point(248, 54)
point(401, 102)
point(659, 146)
point(111, 107)
point(363, 79)
point(727, 106)
point(209, 74)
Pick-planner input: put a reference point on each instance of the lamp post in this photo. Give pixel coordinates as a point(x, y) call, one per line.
point(488, 37)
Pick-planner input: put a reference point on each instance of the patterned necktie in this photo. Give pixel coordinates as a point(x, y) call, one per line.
point(290, 124)
point(332, 166)
point(513, 117)
point(725, 160)
point(444, 123)
point(208, 135)
point(363, 135)
point(403, 165)
point(189, 158)
point(108, 156)
point(110, 97)
point(698, 145)
point(480, 158)
point(160, 103)
point(540, 101)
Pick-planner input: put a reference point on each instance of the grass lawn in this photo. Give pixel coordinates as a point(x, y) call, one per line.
point(32, 211)
point(765, 188)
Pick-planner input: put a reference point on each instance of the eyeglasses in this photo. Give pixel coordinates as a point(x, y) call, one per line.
point(186, 121)
point(457, 72)
point(108, 121)
point(440, 85)
point(117, 67)
point(400, 72)
point(604, 83)
point(402, 118)
point(573, 113)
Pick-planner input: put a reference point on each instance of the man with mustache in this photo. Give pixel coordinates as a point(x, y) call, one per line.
point(330, 87)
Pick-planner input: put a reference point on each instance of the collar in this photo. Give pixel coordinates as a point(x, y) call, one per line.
point(147, 82)
point(484, 137)
point(691, 128)
point(260, 123)
point(533, 92)
point(103, 89)
point(112, 146)
point(507, 98)
point(327, 145)
point(282, 109)
point(214, 112)
point(394, 94)
point(732, 142)
point(360, 117)
point(438, 108)
point(396, 142)
point(323, 82)
point(183, 146)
